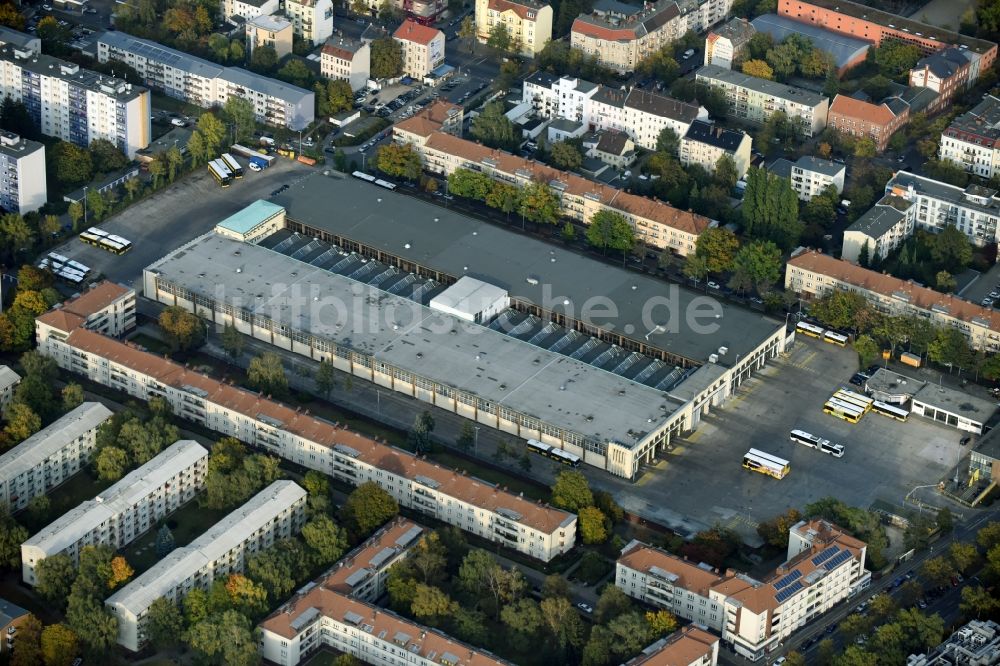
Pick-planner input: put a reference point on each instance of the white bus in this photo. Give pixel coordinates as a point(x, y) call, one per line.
point(230, 162)
point(553, 452)
point(842, 410)
point(852, 398)
point(220, 173)
point(833, 337)
point(891, 411)
point(807, 439)
point(97, 232)
point(764, 463)
point(835, 450)
point(811, 330)
point(90, 238)
point(78, 267)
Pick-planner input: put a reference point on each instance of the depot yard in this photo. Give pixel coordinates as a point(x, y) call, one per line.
point(173, 216)
point(884, 459)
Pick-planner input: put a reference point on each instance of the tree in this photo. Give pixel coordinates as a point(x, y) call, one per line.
point(853, 626)
point(164, 541)
point(759, 263)
point(774, 532)
point(121, 571)
point(184, 330)
point(431, 604)
point(593, 525)
point(610, 229)
point(726, 174)
point(400, 160)
point(72, 396)
point(111, 463)
point(563, 622)
point(865, 147)
point(695, 267)
point(326, 539)
point(22, 422)
point(241, 114)
point(467, 438)
point(937, 571)
point(770, 209)
point(597, 651)
point(661, 622)
point(868, 350)
point(232, 342)
point(60, 645)
point(524, 620)
point(631, 633)
point(493, 128)
point(296, 73)
point(28, 651)
point(978, 601)
point(367, 508)
point(69, 163)
point(164, 624)
point(758, 68)
point(951, 249)
point(500, 38)
point(566, 155)
point(950, 347)
point(225, 638)
point(12, 535)
point(106, 157)
point(419, 436)
point(894, 57)
point(245, 594)
point(386, 58)
point(212, 130)
point(667, 142)
point(339, 97)
point(267, 374)
point(539, 204)
point(96, 626)
point(612, 603)
point(718, 246)
point(264, 59)
point(54, 575)
point(963, 555)
point(988, 535)
point(571, 491)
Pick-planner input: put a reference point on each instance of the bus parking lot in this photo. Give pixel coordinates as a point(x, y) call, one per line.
point(703, 477)
point(175, 215)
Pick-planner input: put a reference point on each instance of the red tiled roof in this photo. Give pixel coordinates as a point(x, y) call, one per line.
point(362, 556)
point(73, 312)
point(643, 207)
point(429, 120)
point(688, 646)
point(477, 493)
point(516, 7)
point(887, 285)
point(62, 320)
point(690, 576)
point(412, 31)
point(603, 32)
point(879, 114)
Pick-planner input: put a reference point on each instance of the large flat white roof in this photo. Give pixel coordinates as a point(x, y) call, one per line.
point(32, 452)
point(140, 483)
point(221, 538)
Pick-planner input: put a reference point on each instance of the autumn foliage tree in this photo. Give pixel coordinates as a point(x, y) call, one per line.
point(758, 68)
point(184, 329)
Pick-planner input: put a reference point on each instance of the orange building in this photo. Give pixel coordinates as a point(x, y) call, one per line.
point(874, 25)
point(862, 119)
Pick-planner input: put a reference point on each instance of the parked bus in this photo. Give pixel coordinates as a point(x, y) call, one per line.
point(364, 176)
point(836, 400)
point(842, 410)
point(835, 450)
point(765, 463)
point(553, 452)
point(115, 244)
point(891, 411)
point(835, 338)
point(807, 439)
point(811, 330)
point(97, 232)
point(852, 398)
point(230, 162)
point(90, 238)
point(220, 172)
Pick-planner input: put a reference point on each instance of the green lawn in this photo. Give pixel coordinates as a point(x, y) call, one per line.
point(80, 488)
point(152, 344)
point(322, 658)
point(187, 523)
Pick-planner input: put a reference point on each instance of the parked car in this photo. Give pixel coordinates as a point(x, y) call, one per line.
point(712, 285)
point(586, 608)
point(688, 54)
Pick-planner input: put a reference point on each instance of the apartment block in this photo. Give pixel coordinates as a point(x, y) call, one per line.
point(12, 617)
point(811, 176)
point(705, 144)
point(247, 9)
point(8, 383)
point(312, 20)
point(50, 456)
point(20, 40)
point(700, 15)
point(203, 83)
point(273, 31)
point(348, 60)
point(275, 513)
point(322, 617)
point(973, 210)
point(425, 12)
point(945, 72)
point(619, 36)
point(528, 22)
point(823, 567)
point(873, 25)
point(725, 45)
point(22, 174)
point(470, 504)
point(755, 100)
point(125, 511)
point(690, 646)
point(975, 644)
point(867, 120)
point(883, 228)
point(972, 141)
point(655, 222)
point(74, 104)
point(423, 48)
point(106, 308)
point(814, 275)
point(440, 116)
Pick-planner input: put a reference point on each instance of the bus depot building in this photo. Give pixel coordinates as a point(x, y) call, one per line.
point(947, 406)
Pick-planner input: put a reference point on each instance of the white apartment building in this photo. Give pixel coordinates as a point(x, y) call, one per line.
point(206, 84)
point(972, 141)
point(700, 15)
point(973, 210)
point(823, 567)
point(74, 104)
point(322, 617)
point(755, 100)
point(423, 48)
point(363, 572)
point(247, 9)
point(813, 275)
point(275, 513)
point(705, 144)
point(106, 308)
point(273, 31)
point(20, 40)
point(975, 644)
point(883, 228)
point(726, 44)
point(473, 505)
point(811, 175)
point(620, 35)
point(528, 22)
point(22, 174)
point(640, 114)
point(8, 382)
point(125, 511)
point(50, 456)
point(312, 20)
point(348, 60)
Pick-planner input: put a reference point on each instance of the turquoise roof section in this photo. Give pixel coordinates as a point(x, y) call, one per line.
point(256, 213)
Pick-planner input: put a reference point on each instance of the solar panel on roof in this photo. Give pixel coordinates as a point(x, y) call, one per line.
point(788, 591)
point(841, 557)
point(407, 538)
point(380, 557)
point(787, 579)
point(825, 555)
